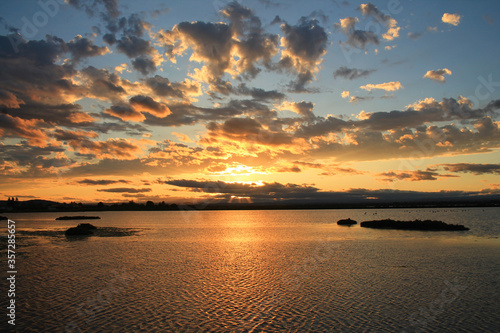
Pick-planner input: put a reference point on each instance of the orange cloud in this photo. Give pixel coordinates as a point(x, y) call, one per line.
point(453, 19)
point(24, 128)
point(388, 86)
point(437, 75)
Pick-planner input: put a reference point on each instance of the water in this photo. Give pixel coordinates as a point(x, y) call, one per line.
point(258, 271)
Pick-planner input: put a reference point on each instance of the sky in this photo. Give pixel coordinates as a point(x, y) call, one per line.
point(249, 101)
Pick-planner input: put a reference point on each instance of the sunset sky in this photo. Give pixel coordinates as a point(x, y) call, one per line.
point(250, 101)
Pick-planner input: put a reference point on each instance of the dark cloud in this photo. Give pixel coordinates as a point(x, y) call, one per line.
point(260, 94)
point(103, 84)
point(102, 182)
point(352, 73)
point(474, 168)
point(28, 129)
point(64, 135)
point(271, 192)
point(145, 65)
point(265, 191)
point(420, 113)
point(133, 46)
point(305, 45)
point(253, 44)
point(25, 160)
point(125, 113)
point(247, 130)
point(125, 190)
point(356, 38)
point(184, 114)
point(323, 126)
point(370, 9)
point(415, 35)
point(210, 42)
point(147, 104)
point(299, 84)
point(94, 7)
point(138, 105)
point(360, 38)
point(120, 149)
point(30, 74)
point(82, 47)
point(413, 176)
point(161, 86)
point(355, 99)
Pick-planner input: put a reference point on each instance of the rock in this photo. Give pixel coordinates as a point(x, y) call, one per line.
point(83, 229)
point(426, 225)
point(346, 222)
point(87, 226)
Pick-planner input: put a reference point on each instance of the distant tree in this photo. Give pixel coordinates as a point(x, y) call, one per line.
point(17, 199)
point(150, 204)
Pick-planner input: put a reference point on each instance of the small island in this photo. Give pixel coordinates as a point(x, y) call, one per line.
point(83, 229)
point(427, 225)
point(347, 222)
point(78, 218)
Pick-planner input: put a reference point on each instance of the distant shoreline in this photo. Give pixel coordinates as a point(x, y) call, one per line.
point(64, 208)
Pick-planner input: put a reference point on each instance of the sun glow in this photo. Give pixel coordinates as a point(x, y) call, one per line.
point(236, 199)
point(240, 170)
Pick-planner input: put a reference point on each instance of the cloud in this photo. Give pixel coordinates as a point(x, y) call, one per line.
point(413, 176)
point(28, 129)
point(65, 135)
point(145, 65)
point(125, 113)
point(355, 99)
point(437, 75)
point(110, 6)
point(356, 38)
point(101, 182)
point(248, 130)
point(211, 44)
point(147, 104)
point(399, 134)
point(453, 19)
point(303, 108)
point(304, 44)
point(125, 190)
point(415, 35)
point(133, 46)
point(9, 100)
point(474, 168)
point(103, 84)
point(345, 94)
point(277, 192)
point(262, 190)
point(352, 73)
point(370, 9)
point(162, 87)
point(120, 149)
point(259, 94)
point(388, 86)
point(82, 47)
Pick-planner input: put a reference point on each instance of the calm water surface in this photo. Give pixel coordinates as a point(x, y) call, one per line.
point(258, 271)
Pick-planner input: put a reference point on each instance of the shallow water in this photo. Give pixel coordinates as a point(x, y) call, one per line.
point(256, 271)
